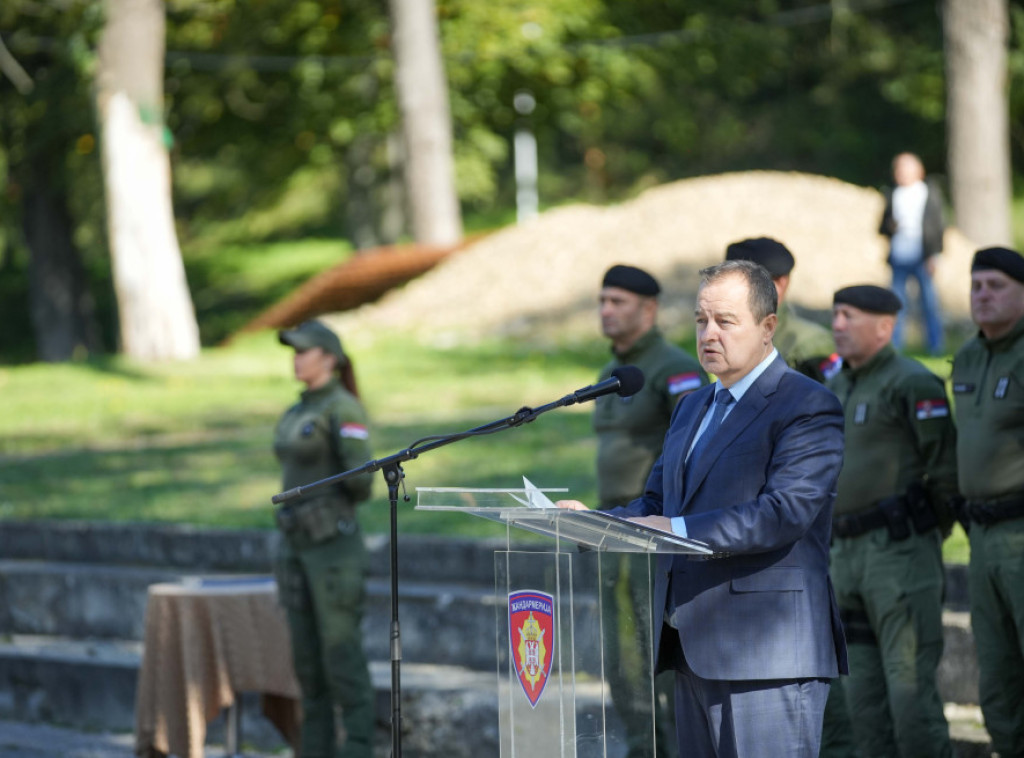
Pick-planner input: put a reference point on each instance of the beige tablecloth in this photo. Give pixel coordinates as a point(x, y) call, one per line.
point(205, 642)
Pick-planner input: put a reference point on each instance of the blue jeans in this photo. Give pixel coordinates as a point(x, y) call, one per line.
point(901, 272)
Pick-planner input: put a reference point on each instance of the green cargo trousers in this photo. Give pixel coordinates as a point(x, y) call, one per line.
point(890, 593)
point(626, 617)
point(322, 589)
point(996, 577)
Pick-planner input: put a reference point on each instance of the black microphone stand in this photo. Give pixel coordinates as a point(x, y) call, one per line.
point(391, 466)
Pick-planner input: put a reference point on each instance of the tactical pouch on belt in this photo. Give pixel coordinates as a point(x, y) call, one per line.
point(314, 522)
point(286, 521)
point(894, 510)
point(319, 522)
point(922, 514)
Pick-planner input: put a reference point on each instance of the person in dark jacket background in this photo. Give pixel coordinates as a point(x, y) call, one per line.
point(914, 223)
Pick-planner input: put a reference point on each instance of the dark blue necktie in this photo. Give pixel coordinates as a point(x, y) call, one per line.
point(722, 401)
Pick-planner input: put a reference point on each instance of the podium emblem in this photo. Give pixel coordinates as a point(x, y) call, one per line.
point(531, 626)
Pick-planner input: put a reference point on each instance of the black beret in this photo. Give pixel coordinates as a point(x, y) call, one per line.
point(868, 298)
point(771, 254)
point(632, 279)
point(1010, 262)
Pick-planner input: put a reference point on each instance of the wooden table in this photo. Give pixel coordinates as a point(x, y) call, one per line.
point(206, 641)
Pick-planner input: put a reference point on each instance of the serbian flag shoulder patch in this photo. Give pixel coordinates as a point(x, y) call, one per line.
point(831, 366)
point(937, 408)
point(683, 383)
point(353, 431)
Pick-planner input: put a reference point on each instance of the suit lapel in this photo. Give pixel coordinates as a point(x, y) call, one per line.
point(684, 438)
point(750, 406)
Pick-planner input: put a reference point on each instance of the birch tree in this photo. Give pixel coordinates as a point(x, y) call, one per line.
point(157, 319)
point(977, 114)
point(426, 123)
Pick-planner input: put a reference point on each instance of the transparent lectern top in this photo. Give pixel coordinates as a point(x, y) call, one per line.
point(596, 530)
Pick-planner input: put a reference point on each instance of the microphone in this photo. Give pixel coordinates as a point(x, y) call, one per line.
point(624, 381)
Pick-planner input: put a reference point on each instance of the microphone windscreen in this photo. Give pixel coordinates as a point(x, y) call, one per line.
point(631, 380)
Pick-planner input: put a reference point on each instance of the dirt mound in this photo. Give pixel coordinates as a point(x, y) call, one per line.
point(541, 278)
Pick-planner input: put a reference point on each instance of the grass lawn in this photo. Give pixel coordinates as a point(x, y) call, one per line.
point(191, 442)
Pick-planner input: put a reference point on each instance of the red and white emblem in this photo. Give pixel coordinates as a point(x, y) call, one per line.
point(531, 627)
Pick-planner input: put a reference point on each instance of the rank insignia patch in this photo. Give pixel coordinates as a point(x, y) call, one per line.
point(531, 630)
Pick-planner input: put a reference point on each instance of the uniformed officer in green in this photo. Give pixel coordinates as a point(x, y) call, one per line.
point(988, 387)
point(630, 432)
point(805, 345)
point(890, 515)
point(808, 348)
point(321, 565)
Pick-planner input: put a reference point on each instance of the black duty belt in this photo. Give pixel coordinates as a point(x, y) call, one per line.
point(900, 514)
point(994, 511)
point(856, 524)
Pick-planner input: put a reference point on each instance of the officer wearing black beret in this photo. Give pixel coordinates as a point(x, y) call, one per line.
point(805, 345)
point(988, 384)
point(630, 431)
point(891, 512)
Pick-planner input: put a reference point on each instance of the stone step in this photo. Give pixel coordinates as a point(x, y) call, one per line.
point(203, 549)
point(440, 623)
point(89, 689)
point(196, 549)
point(446, 710)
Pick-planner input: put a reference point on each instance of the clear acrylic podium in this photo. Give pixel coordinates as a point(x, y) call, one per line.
point(574, 644)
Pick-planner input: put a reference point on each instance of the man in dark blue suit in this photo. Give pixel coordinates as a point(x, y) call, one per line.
point(749, 466)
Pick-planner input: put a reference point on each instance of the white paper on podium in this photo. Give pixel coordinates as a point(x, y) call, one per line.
point(534, 498)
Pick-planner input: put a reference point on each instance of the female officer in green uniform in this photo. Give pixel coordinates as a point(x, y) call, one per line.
point(322, 560)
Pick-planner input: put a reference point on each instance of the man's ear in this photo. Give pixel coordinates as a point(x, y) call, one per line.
point(771, 321)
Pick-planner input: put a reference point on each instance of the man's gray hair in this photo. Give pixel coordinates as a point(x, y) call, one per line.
point(763, 298)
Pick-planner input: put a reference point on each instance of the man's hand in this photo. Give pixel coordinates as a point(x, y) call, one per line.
point(572, 505)
point(664, 523)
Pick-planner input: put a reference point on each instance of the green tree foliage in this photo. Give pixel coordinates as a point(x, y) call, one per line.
point(266, 100)
point(49, 143)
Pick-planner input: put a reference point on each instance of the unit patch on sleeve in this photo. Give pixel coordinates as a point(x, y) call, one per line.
point(354, 431)
point(935, 408)
point(683, 383)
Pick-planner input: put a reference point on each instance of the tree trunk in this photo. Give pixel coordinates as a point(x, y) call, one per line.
point(157, 320)
point(426, 123)
point(61, 307)
point(977, 113)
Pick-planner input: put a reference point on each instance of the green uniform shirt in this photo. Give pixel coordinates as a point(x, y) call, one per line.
point(804, 345)
point(898, 431)
point(988, 387)
point(631, 430)
point(324, 434)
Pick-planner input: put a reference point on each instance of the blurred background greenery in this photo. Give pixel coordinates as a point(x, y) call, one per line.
point(280, 117)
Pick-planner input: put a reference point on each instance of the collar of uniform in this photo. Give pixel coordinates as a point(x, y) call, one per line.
point(647, 339)
point(883, 356)
point(1002, 344)
point(782, 313)
point(312, 395)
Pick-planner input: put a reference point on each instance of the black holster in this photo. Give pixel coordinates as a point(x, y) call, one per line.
point(896, 513)
point(922, 512)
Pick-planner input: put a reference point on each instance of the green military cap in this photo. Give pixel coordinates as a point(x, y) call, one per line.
point(313, 334)
point(631, 279)
point(868, 298)
point(1010, 262)
point(771, 254)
